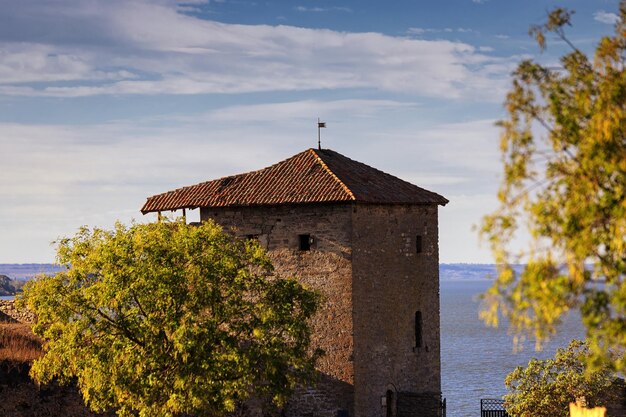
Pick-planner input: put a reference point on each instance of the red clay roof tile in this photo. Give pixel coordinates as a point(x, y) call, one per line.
point(312, 176)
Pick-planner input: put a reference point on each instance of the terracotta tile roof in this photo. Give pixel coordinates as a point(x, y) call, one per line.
point(312, 176)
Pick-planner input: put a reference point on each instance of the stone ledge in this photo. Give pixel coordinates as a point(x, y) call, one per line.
point(10, 313)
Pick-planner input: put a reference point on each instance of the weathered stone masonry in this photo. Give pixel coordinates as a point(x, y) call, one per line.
point(327, 268)
point(10, 313)
point(364, 261)
point(368, 242)
point(392, 282)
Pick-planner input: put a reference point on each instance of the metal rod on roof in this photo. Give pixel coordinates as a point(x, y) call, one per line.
point(319, 126)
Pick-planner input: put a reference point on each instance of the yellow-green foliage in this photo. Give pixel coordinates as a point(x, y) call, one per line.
point(546, 388)
point(164, 319)
point(564, 154)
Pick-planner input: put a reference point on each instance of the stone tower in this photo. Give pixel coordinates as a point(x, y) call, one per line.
point(368, 241)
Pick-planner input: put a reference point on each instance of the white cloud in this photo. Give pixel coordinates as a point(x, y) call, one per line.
point(55, 178)
point(470, 148)
point(323, 9)
point(416, 31)
point(606, 17)
point(119, 47)
point(302, 110)
point(458, 240)
point(421, 31)
point(22, 63)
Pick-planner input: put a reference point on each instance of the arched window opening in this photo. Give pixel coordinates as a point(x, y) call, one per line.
point(390, 403)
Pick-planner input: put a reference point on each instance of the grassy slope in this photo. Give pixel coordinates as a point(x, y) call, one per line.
point(21, 397)
point(18, 344)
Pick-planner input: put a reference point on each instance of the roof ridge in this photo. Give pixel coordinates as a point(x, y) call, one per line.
point(387, 174)
point(332, 174)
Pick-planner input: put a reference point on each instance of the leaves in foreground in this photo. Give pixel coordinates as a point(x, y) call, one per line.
point(169, 319)
point(546, 387)
point(563, 149)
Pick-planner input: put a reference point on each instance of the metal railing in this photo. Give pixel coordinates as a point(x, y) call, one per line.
point(492, 407)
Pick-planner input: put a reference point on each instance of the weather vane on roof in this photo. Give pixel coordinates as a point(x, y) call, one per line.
point(319, 126)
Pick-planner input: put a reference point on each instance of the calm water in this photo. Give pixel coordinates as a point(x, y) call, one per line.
point(475, 359)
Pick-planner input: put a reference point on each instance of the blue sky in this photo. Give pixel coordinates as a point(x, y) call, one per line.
point(104, 103)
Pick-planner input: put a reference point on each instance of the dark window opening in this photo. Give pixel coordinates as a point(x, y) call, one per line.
point(418, 244)
point(390, 403)
point(252, 237)
point(305, 242)
point(418, 329)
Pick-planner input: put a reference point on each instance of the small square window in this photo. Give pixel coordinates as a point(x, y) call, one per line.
point(305, 242)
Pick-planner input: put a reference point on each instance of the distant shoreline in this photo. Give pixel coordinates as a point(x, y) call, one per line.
point(447, 272)
point(24, 272)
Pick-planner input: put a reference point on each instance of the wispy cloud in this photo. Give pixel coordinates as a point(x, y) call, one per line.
point(418, 31)
point(323, 9)
point(421, 31)
point(606, 17)
point(118, 47)
point(301, 111)
point(65, 176)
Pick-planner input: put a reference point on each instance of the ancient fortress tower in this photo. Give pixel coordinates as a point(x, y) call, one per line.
point(368, 242)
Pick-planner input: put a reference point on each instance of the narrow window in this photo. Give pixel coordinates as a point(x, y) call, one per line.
point(418, 244)
point(390, 403)
point(305, 242)
point(418, 329)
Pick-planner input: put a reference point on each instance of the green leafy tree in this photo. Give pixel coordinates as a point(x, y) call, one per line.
point(169, 319)
point(564, 154)
point(545, 388)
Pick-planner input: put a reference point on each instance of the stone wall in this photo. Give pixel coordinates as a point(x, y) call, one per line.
point(9, 312)
point(363, 260)
point(326, 267)
point(391, 283)
point(411, 404)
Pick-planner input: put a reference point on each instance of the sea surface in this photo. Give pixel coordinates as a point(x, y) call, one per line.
point(475, 359)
